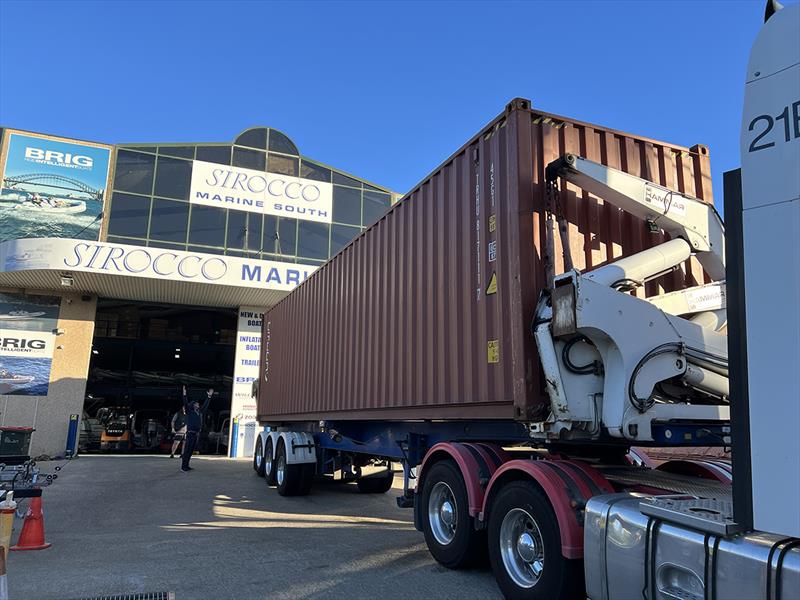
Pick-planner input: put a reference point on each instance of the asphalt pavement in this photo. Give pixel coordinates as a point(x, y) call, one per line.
point(136, 524)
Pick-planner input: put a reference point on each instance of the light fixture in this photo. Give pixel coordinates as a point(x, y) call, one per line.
point(177, 356)
point(66, 280)
point(95, 351)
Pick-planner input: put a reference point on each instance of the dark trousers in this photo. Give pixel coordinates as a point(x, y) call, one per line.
point(188, 447)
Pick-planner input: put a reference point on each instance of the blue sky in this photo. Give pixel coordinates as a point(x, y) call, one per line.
point(383, 90)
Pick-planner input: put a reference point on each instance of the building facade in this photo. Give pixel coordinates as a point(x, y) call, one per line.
point(128, 271)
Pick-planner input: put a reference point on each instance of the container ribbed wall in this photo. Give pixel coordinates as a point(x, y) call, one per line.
point(404, 322)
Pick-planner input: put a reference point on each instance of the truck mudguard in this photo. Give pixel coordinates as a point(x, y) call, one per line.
point(477, 463)
point(300, 446)
point(568, 485)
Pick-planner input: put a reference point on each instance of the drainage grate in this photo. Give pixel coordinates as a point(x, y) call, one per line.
point(142, 596)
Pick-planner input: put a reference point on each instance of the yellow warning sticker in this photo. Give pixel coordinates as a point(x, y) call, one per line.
point(493, 351)
point(492, 223)
point(492, 287)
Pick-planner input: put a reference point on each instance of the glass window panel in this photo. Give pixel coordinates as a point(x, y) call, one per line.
point(286, 242)
point(214, 154)
point(346, 205)
point(280, 143)
point(375, 206)
point(249, 159)
point(129, 215)
point(112, 239)
point(173, 178)
point(372, 187)
point(341, 235)
point(169, 220)
point(285, 165)
point(310, 170)
point(240, 254)
point(141, 148)
point(205, 250)
point(166, 245)
point(207, 226)
point(253, 138)
point(345, 180)
point(237, 226)
point(270, 233)
point(134, 172)
point(177, 151)
point(254, 227)
point(312, 240)
point(284, 258)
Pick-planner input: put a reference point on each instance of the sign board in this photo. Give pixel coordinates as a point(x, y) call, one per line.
point(245, 372)
point(256, 191)
point(139, 261)
point(52, 188)
point(27, 340)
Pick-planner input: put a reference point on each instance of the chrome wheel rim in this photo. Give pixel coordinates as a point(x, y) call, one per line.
point(442, 513)
point(522, 548)
point(268, 462)
point(259, 457)
point(280, 472)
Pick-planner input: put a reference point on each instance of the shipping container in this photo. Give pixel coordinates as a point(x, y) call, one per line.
point(427, 314)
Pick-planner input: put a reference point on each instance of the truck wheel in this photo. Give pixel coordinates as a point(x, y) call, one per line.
point(258, 458)
point(446, 523)
point(292, 480)
point(525, 547)
point(269, 463)
point(379, 483)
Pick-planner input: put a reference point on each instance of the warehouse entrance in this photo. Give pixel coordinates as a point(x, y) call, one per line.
point(142, 355)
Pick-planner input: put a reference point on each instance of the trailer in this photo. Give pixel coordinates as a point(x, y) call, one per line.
point(541, 304)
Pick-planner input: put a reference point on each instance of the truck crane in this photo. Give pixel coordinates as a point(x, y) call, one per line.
point(554, 501)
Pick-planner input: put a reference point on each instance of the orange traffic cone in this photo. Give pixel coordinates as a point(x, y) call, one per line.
point(32, 536)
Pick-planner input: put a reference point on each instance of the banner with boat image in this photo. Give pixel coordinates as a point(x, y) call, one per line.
point(27, 340)
point(52, 188)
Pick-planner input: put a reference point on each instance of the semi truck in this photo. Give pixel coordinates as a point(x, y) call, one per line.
point(552, 296)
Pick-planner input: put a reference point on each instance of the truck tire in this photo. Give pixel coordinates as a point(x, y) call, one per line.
point(258, 458)
point(525, 547)
point(269, 463)
point(292, 480)
point(448, 527)
point(378, 483)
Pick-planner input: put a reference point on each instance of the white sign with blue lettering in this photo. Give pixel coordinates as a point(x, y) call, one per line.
point(156, 263)
point(256, 191)
point(245, 372)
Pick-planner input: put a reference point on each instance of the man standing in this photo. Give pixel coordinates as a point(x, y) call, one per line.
point(194, 424)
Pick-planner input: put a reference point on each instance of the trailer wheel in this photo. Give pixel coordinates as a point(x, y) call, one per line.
point(379, 483)
point(449, 532)
point(269, 463)
point(525, 547)
point(258, 458)
point(292, 480)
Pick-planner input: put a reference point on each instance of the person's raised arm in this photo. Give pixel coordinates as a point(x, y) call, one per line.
point(209, 395)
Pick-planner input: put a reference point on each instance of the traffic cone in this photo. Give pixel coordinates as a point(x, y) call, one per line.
point(32, 536)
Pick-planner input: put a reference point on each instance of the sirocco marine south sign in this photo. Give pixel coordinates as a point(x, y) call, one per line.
point(260, 192)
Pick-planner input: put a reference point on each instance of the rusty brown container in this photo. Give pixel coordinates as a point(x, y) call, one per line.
point(427, 314)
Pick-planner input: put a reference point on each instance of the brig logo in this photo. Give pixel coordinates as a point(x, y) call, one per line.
point(58, 159)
